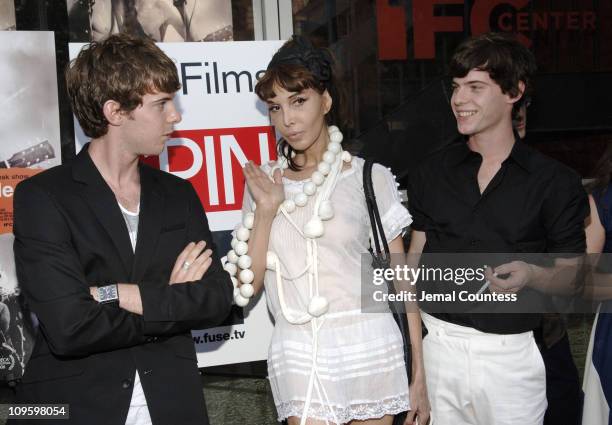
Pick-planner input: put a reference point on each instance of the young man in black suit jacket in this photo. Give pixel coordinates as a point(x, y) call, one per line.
point(114, 257)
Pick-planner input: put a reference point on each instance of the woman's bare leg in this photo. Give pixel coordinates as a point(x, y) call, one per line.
point(385, 420)
point(294, 420)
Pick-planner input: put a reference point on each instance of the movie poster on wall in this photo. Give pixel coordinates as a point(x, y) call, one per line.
point(162, 20)
point(29, 143)
point(223, 126)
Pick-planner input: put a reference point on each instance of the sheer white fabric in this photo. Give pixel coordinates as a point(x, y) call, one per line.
point(360, 356)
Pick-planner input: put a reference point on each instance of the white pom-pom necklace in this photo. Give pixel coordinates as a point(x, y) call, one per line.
point(322, 181)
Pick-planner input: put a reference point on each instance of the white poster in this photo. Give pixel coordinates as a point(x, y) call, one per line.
point(223, 126)
point(29, 143)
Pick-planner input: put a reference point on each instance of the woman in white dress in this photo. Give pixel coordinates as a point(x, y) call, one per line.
point(328, 361)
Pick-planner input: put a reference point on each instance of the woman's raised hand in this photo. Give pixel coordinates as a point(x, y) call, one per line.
point(267, 194)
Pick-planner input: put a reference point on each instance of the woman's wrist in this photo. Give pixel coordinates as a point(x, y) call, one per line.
point(265, 212)
point(418, 372)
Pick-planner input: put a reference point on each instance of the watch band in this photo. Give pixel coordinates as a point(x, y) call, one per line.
point(108, 294)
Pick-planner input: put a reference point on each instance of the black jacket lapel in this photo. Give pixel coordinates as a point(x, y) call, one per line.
point(104, 207)
point(150, 221)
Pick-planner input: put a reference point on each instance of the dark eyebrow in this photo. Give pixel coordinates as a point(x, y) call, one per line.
point(467, 83)
point(290, 97)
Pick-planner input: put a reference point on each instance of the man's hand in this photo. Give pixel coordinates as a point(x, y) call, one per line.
point(419, 402)
point(191, 264)
point(516, 275)
point(93, 290)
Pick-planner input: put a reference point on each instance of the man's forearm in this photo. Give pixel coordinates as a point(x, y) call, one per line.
point(561, 279)
point(129, 298)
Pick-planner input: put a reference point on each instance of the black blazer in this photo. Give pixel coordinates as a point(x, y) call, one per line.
point(70, 235)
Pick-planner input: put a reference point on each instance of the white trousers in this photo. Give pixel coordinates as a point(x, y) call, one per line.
point(595, 410)
point(477, 378)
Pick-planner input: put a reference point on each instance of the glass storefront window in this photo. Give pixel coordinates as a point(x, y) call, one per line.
point(385, 97)
point(393, 56)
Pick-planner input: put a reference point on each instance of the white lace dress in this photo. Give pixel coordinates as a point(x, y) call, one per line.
point(360, 371)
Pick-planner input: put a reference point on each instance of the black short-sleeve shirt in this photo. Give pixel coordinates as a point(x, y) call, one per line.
point(533, 204)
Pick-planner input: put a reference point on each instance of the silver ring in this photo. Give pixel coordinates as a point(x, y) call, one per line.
point(186, 265)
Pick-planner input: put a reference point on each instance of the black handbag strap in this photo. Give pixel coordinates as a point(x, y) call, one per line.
point(383, 259)
point(378, 232)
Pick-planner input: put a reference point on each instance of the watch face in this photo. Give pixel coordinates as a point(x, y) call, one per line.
point(108, 293)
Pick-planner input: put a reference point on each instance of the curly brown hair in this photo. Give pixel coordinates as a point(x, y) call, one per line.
point(122, 68)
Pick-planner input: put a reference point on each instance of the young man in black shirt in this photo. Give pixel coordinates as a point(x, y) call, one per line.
point(490, 194)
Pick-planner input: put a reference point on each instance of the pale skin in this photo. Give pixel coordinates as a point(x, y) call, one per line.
point(599, 286)
point(300, 119)
point(595, 232)
point(143, 131)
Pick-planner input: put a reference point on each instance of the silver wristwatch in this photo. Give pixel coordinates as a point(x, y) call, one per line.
point(108, 294)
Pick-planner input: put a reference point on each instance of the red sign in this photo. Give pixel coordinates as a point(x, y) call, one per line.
point(426, 24)
point(390, 21)
point(212, 161)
